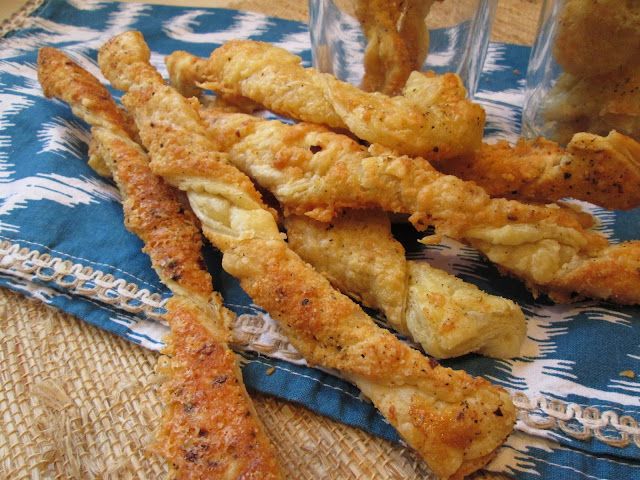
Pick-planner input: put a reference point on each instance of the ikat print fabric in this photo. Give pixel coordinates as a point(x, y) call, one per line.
point(62, 241)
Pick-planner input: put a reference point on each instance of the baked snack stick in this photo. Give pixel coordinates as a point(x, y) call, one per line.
point(387, 62)
point(600, 170)
point(397, 41)
point(446, 315)
point(434, 125)
point(413, 30)
point(596, 169)
point(152, 208)
point(209, 427)
point(315, 172)
point(454, 421)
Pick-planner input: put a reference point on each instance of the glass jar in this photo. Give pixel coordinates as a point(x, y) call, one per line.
point(584, 70)
point(454, 33)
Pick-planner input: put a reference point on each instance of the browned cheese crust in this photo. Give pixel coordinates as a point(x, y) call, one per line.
point(315, 172)
point(601, 170)
point(446, 315)
point(435, 125)
point(338, 334)
point(359, 256)
point(450, 418)
point(152, 209)
point(209, 428)
point(60, 77)
point(613, 274)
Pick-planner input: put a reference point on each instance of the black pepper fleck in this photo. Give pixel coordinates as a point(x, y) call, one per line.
point(219, 380)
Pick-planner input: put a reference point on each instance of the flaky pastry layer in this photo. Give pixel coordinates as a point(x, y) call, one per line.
point(431, 126)
point(315, 172)
point(419, 398)
point(600, 170)
point(359, 256)
point(446, 315)
point(209, 427)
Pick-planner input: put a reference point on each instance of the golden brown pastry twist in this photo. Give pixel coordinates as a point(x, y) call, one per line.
point(315, 172)
point(453, 420)
point(413, 30)
point(387, 62)
point(446, 315)
point(430, 125)
point(600, 170)
point(153, 209)
point(397, 41)
point(209, 426)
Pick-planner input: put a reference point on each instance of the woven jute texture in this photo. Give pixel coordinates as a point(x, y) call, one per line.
point(77, 402)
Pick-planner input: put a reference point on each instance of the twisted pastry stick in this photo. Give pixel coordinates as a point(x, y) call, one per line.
point(601, 170)
point(592, 168)
point(387, 61)
point(397, 41)
point(421, 122)
point(315, 172)
point(209, 425)
point(448, 316)
point(413, 30)
point(453, 420)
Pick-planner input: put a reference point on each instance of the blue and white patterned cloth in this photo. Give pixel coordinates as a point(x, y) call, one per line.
point(62, 240)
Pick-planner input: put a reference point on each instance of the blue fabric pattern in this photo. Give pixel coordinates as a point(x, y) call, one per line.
point(57, 215)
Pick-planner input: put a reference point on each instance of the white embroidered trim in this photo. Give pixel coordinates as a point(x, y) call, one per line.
point(80, 280)
point(256, 331)
point(581, 423)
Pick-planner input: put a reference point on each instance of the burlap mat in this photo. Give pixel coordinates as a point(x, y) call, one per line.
point(77, 402)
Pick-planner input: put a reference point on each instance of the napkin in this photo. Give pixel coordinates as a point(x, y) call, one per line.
point(62, 241)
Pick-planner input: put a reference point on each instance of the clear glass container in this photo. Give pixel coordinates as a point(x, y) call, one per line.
point(457, 38)
point(584, 70)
